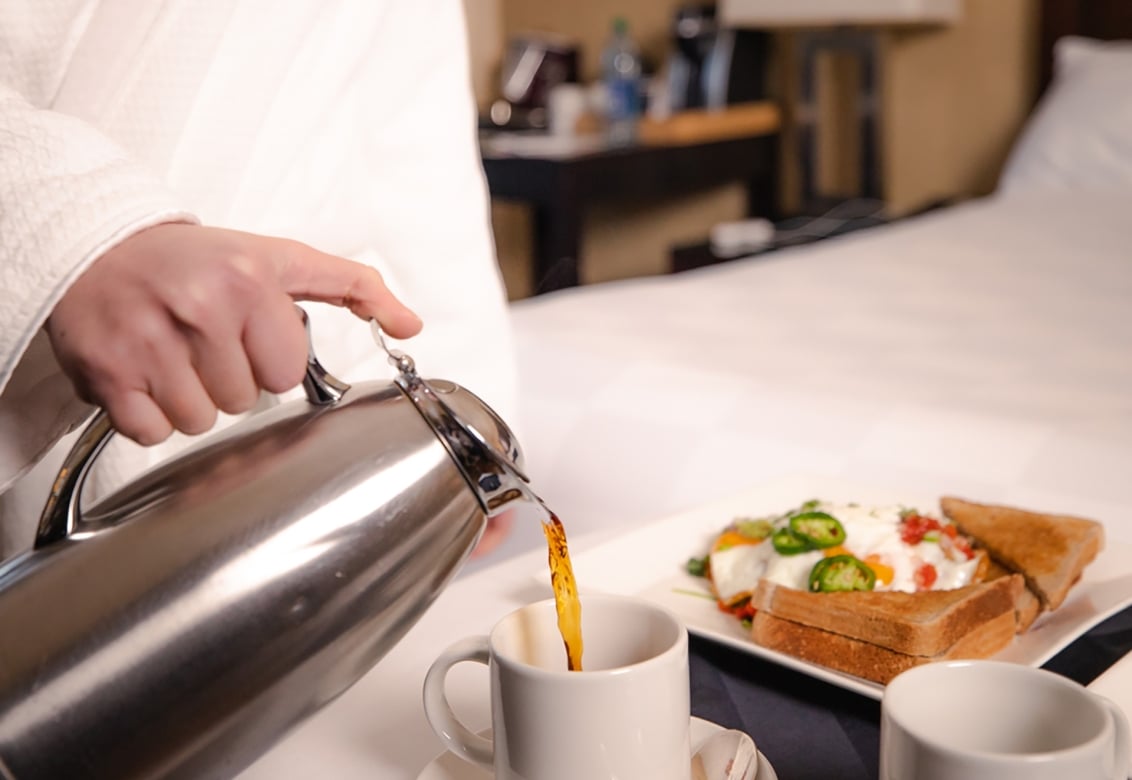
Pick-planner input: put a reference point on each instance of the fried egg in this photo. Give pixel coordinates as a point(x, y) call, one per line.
point(872, 534)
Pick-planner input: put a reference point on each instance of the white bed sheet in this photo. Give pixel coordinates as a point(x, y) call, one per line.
point(984, 351)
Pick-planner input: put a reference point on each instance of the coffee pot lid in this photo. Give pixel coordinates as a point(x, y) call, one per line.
point(480, 442)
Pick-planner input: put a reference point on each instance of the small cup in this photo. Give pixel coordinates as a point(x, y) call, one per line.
point(565, 105)
point(991, 720)
point(626, 714)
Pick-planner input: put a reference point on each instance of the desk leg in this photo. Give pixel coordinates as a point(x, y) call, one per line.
point(762, 188)
point(558, 240)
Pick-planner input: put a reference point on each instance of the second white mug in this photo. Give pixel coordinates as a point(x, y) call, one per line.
point(991, 720)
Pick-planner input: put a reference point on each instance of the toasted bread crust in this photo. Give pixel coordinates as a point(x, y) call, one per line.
point(1050, 551)
point(1027, 609)
point(1027, 606)
point(867, 660)
point(925, 623)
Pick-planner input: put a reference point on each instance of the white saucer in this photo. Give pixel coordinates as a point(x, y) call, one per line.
point(448, 766)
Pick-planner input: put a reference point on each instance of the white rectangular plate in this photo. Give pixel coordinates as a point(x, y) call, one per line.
point(649, 561)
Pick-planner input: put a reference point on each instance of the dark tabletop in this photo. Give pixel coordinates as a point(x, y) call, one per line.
point(812, 730)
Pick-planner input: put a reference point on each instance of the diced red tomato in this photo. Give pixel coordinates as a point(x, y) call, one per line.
point(913, 528)
point(925, 576)
point(747, 611)
point(742, 610)
point(956, 547)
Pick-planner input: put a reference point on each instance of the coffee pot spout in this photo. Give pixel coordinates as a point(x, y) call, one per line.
point(481, 443)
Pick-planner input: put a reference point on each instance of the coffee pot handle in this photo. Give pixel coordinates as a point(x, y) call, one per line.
point(60, 518)
point(320, 385)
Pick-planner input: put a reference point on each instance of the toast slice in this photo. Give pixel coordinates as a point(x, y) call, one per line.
point(1027, 606)
point(1050, 551)
point(867, 660)
point(926, 624)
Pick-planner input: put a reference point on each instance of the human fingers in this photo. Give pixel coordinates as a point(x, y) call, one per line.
point(316, 276)
point(174, 384)
point(137, 366)
point(275, 343)
point(222, 366)
point(209, 307)
point(135, 415)
point(497, 529)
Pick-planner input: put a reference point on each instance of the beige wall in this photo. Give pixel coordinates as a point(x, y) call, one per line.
point(619, 241)
point(955, 100)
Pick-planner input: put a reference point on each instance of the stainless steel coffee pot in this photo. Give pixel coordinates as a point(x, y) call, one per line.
point(182, 625)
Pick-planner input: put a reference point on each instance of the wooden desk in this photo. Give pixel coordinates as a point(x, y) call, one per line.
point(560, 182)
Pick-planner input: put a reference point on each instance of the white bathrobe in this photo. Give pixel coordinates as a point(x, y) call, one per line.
point(346, 124)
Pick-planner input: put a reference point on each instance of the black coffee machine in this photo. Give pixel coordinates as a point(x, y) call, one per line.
point(533, 65)
point(711, 66)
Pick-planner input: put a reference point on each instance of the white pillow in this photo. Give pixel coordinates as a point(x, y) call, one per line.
point(1081, 132)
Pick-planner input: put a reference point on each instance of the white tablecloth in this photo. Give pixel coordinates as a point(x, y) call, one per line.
point(985, 351)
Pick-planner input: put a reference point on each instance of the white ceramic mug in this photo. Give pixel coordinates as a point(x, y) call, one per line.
point(565, 106)
point(625, 715)
point(991, 720)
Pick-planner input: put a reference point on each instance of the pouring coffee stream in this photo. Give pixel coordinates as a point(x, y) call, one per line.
point(566, 600)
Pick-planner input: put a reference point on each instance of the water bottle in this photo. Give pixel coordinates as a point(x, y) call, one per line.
point(621, 72)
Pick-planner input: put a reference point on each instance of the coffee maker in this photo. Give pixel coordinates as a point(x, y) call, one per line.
point(534, 64)
point(713, 66)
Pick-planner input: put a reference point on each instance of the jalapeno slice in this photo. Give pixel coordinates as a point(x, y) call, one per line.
point(841, 572)
point(818, 529)
point(786, 542)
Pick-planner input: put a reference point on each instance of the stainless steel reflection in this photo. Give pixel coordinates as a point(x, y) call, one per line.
point(182, 625)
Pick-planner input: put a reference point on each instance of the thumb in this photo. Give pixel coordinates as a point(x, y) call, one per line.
point(311, 275)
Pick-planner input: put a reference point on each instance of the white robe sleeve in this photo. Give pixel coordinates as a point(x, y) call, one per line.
point(67, 194)
point(428, 222)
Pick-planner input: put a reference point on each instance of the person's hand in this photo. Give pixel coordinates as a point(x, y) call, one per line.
point(179, 321)
point(498, 528)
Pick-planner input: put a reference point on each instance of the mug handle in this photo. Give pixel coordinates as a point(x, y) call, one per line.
point(1122, 759)
point(438, 711)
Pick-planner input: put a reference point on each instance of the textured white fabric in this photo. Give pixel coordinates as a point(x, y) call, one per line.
point(1080, 136)
point(346, 124)
point(984, 351)
point(67, 194)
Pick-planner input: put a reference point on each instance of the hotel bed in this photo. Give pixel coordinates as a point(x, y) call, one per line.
point(984, 351)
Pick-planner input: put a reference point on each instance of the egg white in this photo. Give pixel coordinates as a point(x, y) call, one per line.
point(875, 530)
